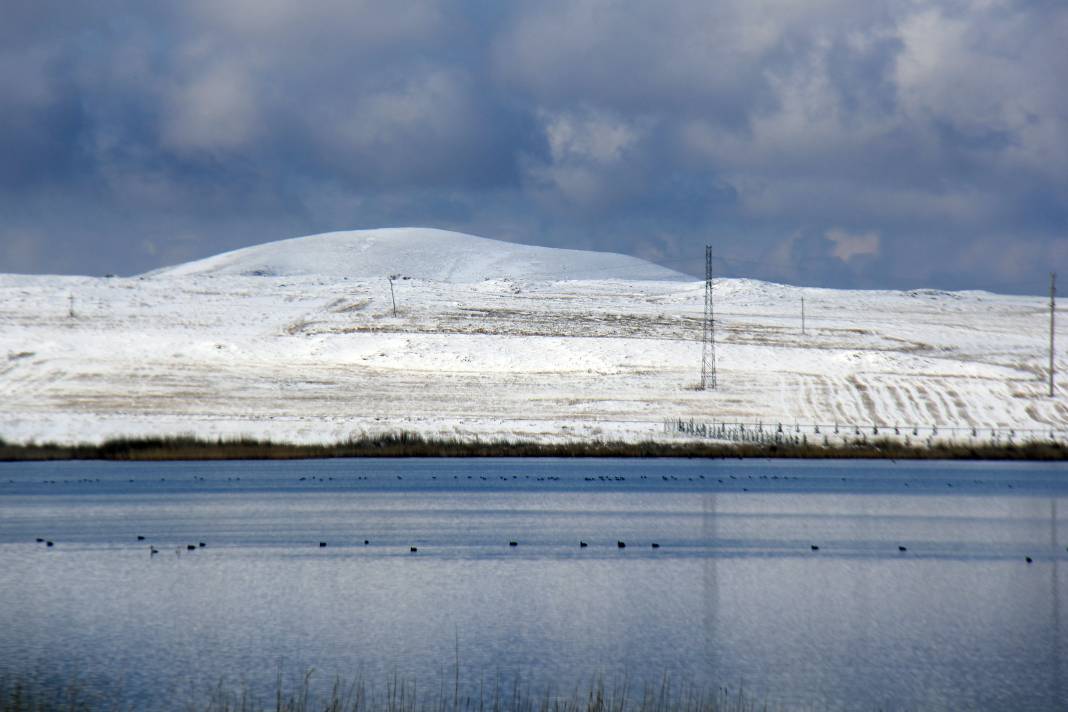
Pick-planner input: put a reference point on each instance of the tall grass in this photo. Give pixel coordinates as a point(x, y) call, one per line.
point(399, 695)
point(414, 445)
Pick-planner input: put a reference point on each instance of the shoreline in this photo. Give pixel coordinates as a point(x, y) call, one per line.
point(407, 445)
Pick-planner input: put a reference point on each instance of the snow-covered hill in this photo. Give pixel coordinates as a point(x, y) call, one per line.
point(297, 340)
point(422, 253)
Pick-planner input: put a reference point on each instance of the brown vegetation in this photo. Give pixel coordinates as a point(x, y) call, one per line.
point(414, 445)
point(400, 696)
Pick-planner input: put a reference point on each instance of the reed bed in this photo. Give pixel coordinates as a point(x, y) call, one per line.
point(396, 695)
point(415, 445)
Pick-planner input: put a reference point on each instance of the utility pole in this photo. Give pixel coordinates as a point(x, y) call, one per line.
point(1052, 312)
point(392, 298)
point(708, 340)
point(70, 306)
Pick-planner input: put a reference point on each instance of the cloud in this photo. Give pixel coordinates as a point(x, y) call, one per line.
point(215, 110)
point(597, 138)
point(423, 128)
point(848, 247)
point(587, 151)
point(827, 142)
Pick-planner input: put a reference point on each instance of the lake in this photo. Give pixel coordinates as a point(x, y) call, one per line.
point(734, 596)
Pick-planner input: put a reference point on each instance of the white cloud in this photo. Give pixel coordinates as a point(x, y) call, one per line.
point(849, 246)
point(586, 152)
point(587, 137)
point(988, 73)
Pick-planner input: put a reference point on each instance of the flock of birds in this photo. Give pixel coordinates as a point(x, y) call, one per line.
point(620, 544)
point(152, 550)
point(547, 478)
point(730, 480)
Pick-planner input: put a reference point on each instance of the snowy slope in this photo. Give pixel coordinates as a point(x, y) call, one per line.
point(297, 340)
point(422, 253)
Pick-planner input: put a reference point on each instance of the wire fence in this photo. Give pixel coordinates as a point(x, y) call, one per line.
point(796, 433)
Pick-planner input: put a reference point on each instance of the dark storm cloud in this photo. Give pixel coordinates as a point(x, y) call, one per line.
point(840, 143)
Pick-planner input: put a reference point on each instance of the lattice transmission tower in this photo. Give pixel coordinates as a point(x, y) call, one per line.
point(708, 341)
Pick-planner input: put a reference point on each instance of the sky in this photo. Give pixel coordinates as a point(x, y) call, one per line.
point(877, 144)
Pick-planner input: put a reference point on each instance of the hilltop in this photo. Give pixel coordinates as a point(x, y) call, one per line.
point(420, 253)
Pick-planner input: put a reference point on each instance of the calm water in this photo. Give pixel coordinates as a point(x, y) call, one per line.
point(734, 596)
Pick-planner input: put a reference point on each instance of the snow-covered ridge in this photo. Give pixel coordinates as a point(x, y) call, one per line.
point(419, 253)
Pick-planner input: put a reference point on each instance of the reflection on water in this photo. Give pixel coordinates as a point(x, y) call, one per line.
point(710, 599)
point(735, 595)
point(1057, 691)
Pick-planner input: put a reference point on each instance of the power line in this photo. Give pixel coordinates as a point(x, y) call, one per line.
point(391, 297)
